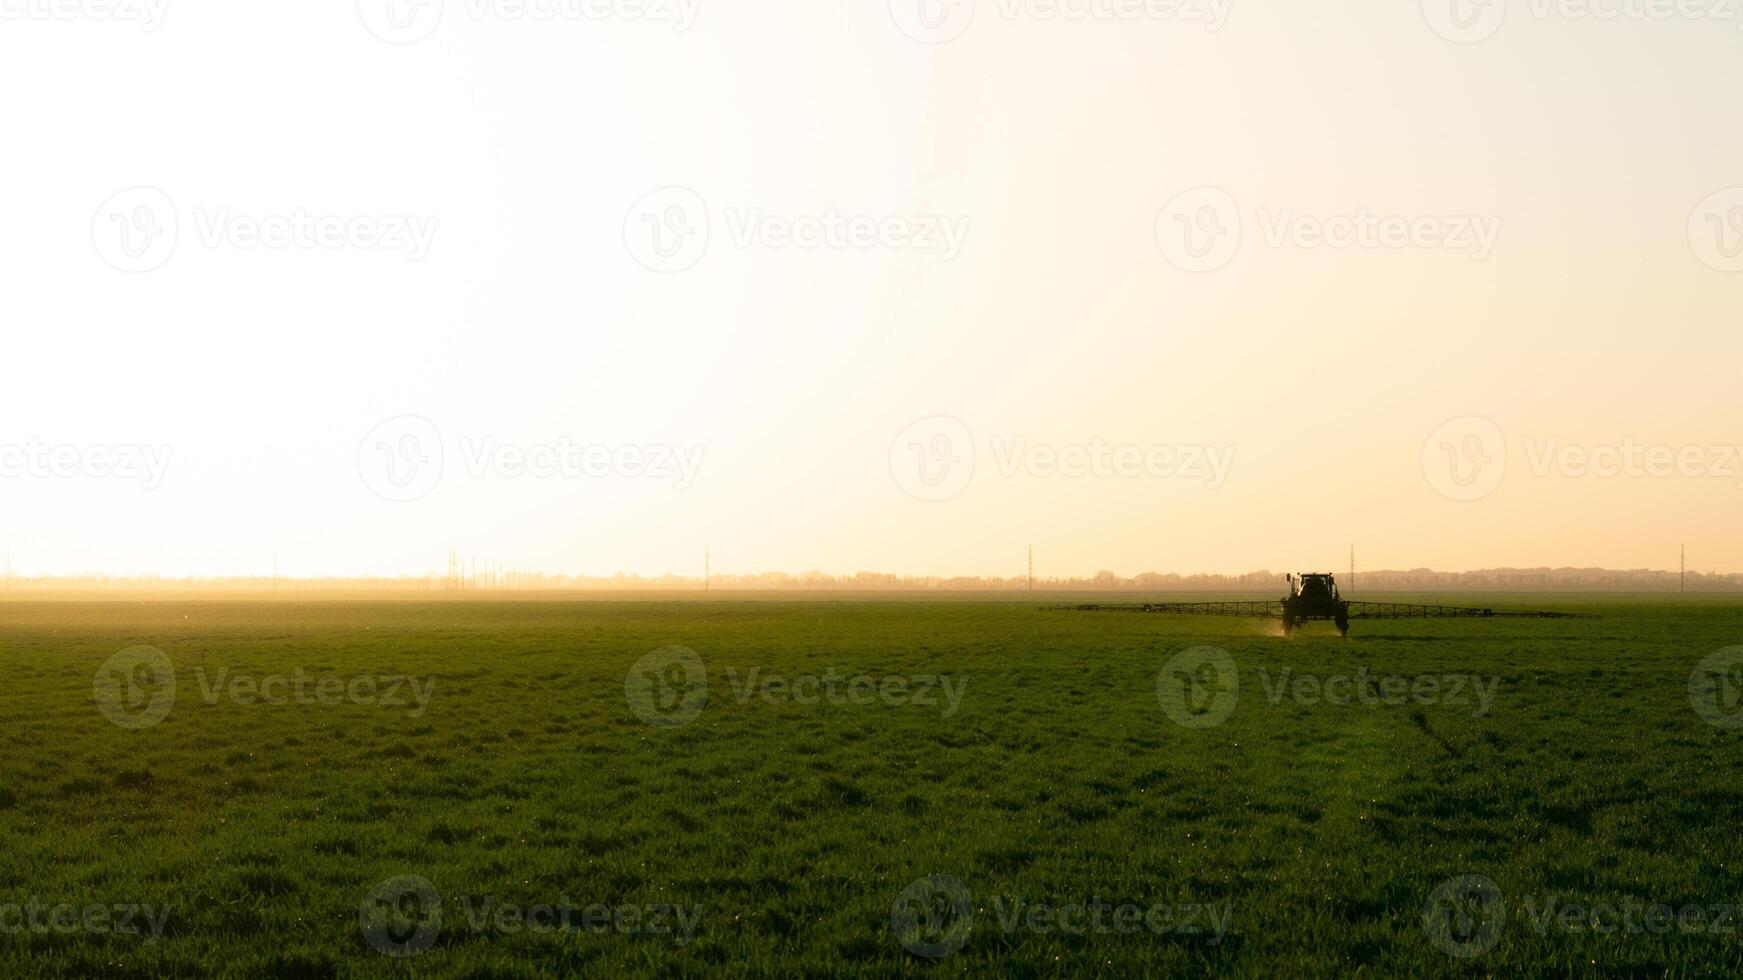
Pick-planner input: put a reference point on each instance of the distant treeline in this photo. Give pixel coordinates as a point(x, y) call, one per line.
point(1263, 582)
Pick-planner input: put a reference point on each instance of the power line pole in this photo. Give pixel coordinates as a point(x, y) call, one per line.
point(1031, 568)
point(1683, 573)
point(1352, 568)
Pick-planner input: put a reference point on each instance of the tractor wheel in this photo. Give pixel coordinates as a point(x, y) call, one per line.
point(1288, 626)
point(1343, 623)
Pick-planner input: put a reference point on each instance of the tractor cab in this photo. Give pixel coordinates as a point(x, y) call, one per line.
point(1314, 588)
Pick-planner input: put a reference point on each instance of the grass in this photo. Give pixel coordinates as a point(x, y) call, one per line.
point(788, 830)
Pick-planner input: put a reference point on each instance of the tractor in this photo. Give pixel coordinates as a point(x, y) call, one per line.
point(1314, 596)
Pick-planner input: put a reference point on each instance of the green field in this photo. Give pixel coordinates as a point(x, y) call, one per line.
point(490, 789)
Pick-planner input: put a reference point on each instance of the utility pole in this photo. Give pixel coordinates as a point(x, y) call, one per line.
point(1352, 568)
point(1683, 573)
point(1031, 568)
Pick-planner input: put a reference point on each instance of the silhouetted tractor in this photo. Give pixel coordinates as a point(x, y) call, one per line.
point(1313, 597)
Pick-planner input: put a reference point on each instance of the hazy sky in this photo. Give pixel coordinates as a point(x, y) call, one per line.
point(601, 283)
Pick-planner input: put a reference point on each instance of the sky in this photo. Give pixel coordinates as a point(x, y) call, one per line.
point(897, 285)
